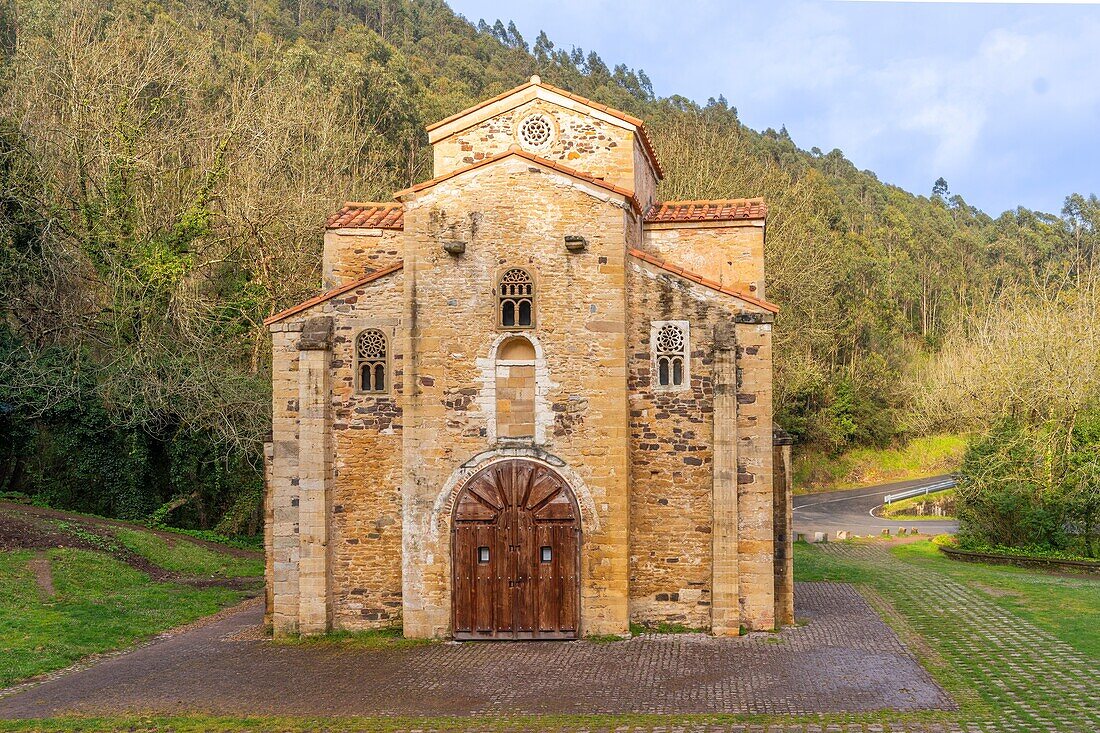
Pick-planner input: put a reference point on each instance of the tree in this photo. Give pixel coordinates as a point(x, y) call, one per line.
point(543, 47)
point(514, 39)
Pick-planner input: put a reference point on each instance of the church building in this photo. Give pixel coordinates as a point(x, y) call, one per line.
point(532, 401)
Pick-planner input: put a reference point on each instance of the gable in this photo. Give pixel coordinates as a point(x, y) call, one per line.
point(350, 293)
point(555, 125)
point(520, 161)
point(702, 288)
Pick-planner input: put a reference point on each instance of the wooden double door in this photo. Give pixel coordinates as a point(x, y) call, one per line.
point(515, 551)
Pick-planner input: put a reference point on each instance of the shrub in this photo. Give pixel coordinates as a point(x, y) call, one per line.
point(1024, 485)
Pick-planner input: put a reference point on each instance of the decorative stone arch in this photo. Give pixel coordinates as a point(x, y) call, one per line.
point(443, 507)
point(434, 539)
point(487, 367)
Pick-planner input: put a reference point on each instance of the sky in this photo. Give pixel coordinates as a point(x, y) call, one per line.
point(1001, 100)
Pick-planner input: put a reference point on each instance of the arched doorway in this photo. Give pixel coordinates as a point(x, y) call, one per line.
point(515, 551)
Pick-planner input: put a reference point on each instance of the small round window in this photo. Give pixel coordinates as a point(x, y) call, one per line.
point(535, 131)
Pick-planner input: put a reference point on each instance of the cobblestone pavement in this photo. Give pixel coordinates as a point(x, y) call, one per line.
point(843, 659)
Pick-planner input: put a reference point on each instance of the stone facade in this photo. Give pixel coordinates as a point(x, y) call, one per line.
point(669, 456)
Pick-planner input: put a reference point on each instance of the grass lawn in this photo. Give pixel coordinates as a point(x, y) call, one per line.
point(917, 590)
point(187, 557)
point(927, 456)
point(1068, 606)
point(99, 604)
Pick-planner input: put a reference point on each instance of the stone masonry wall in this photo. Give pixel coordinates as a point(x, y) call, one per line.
point(515, 398)
point(364, 543)
point(670, 431)
point(672, 458)
point(351, 253)
point(366, 526)
point(283, 487)
point(756, 539)
point(580, 141)
point(515, 214)
point(731, 253)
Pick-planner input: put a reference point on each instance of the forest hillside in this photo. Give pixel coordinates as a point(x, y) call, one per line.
point(166, 167)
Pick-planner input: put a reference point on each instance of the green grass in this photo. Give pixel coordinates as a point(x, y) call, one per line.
point(811, 564)
point(901, 510)
point(241, 542)
point(927, 456)
point(503, 723)
point(99, 604)
point(1065, 605)
point(187, 557)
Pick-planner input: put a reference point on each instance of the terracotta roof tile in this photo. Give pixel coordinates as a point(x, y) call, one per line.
point(716, 210)
point(330, 294)
point(571, 172)
point(368, 215)
point(535, 82)
point(705, 282)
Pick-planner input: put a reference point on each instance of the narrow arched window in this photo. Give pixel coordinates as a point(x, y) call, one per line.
point(371, 365)
point(670, 354)
point(516, 299)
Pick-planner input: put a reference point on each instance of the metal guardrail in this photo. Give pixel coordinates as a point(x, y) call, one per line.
point(947, 483)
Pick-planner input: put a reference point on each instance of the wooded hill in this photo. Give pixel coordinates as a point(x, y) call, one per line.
point(166, 167)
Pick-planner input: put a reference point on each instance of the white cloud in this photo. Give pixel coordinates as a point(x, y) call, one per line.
point(1002, 100)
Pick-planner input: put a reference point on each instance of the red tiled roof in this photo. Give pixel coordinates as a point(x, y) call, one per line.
point(329, 294)
point(572, 172)
point(717, 210)
point(619, 114)
point(368, 215)
point(695, 277)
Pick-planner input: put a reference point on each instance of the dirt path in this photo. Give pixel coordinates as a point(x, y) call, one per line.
point(43, 576)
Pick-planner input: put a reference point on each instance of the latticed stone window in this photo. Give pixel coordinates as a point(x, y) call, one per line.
point(516, 299)
point(371, 360)
point(535, 131)
point(670, 353)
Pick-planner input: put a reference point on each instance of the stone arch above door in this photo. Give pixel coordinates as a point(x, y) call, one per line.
point(443, 506)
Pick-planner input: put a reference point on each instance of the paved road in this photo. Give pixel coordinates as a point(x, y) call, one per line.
point(850, 510)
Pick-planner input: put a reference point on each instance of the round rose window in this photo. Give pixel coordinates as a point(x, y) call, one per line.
point(535, 131)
